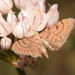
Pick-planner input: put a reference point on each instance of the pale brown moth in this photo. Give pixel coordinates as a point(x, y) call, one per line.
point(53, 37)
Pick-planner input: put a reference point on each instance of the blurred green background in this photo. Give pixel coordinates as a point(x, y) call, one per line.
point(60, 62)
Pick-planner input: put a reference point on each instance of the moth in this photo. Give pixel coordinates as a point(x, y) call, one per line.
point(52, 37)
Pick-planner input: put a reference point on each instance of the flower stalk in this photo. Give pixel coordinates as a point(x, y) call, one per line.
point(20, 71)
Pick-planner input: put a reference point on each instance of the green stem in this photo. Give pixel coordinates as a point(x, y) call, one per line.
point(20, 71)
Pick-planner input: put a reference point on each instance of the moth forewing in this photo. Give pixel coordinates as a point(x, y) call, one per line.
point(58, 33)
point(30, 46)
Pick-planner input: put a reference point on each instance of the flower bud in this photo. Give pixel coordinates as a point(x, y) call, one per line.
point(5, 43)
point(5, 6)
point(53, 15)
point(12, 19)
point(18, 31)
point(5, 28)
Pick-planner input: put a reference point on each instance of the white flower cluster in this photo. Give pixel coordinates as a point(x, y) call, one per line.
point(32, 18)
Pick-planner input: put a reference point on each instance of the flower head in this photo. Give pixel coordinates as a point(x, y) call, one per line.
point(36, 19)
point(31, 30)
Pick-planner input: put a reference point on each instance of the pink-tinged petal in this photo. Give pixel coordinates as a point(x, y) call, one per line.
point(5, 28)
point(24, 4)
point(21, 31)
point(27, 17)
point(39, 22)
point(40, 4)
point(18, 31)
point(5, 6)
point(23, 14)
point(53, 14)
point(20, 4)
point(12, 19)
